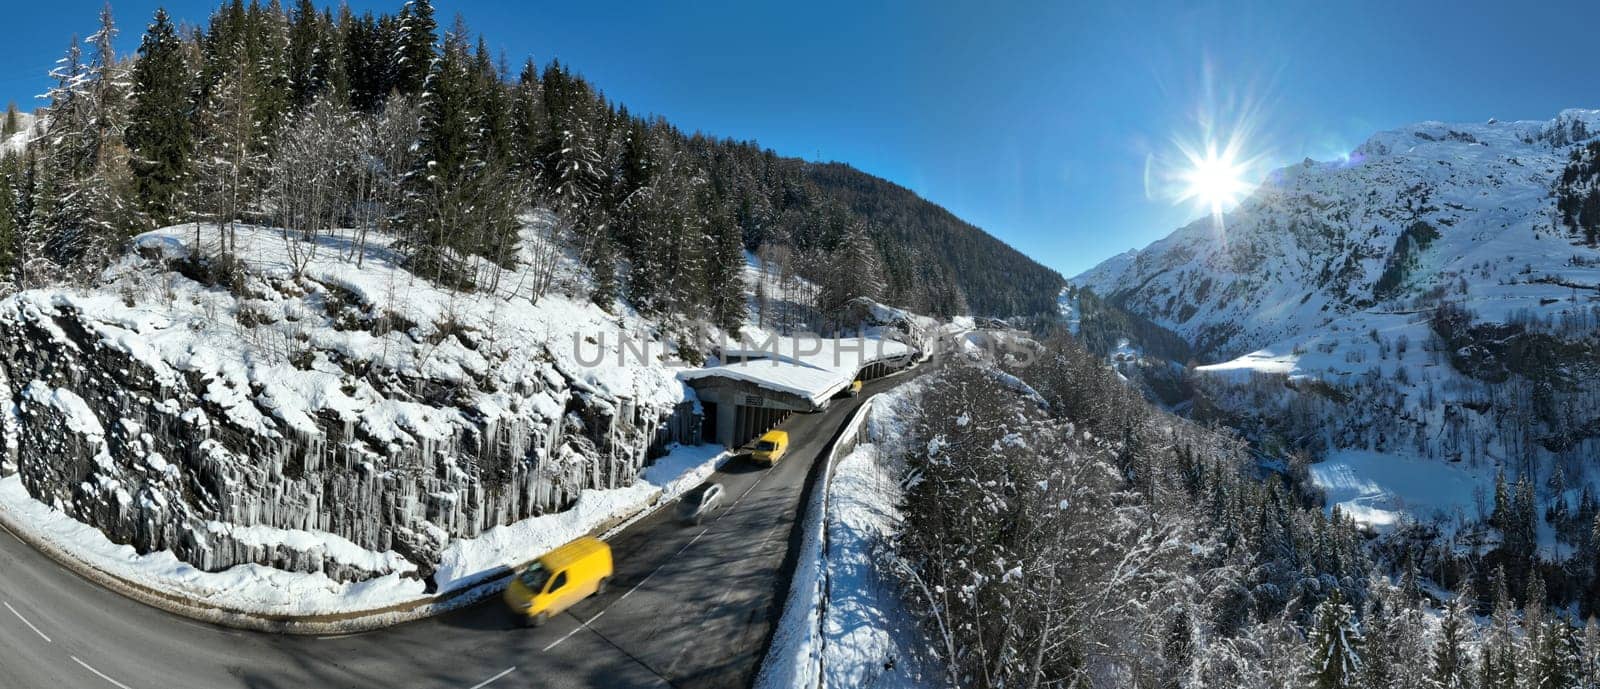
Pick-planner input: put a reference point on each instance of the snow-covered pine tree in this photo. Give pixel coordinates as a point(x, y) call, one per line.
point(1554, 662)
point(1380, 617)
point(1336, 645)
point(10, 219)
point(77, 205)
point(500, 196)
point(307, 61)
point(1451, 664)
point(857, 269)
point(414, 52)
point(439, 194)
point(265, 50)
point(12, 122)
point(160, 135)
point(1499, 649)
point(530, 127)
point(572, 163)
point(1589, 661)
point(726, 276)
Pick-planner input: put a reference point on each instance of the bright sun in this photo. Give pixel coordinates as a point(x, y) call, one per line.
point(1213, 179)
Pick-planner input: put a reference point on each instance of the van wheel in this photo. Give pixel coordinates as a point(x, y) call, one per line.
point(540, 619)
point(600, 588)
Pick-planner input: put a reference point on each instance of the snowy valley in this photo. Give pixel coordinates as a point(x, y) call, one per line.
point(1417, 318)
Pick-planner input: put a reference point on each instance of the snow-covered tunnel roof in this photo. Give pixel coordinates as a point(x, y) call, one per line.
point(813, 384)
point(812, 368)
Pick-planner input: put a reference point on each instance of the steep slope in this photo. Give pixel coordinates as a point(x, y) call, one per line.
point(1402, 223)
point(925, 245)
point(310, 397)
point(1434, 295)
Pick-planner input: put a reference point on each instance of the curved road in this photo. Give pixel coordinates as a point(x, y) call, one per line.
point(688, 607)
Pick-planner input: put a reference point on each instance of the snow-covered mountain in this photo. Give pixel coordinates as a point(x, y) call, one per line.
point(1436, 294)
point(1407, 219)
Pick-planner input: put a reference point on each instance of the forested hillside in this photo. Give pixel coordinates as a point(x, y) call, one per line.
point(1060, 531)
point(312, 118)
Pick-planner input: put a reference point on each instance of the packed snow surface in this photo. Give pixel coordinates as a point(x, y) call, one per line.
point(1381, 489)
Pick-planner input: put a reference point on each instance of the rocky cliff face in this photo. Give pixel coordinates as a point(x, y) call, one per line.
point(288, 421)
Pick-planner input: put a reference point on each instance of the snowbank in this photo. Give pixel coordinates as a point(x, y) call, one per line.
point(843, 624)
point(470, 561)
point(251, 589)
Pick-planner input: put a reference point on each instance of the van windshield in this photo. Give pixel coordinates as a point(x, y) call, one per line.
point(535, 576)
point(766, 446)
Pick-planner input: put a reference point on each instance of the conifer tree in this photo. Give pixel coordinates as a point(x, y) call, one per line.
point(10, 221)
point(266, 50)
point(1335, 660)
point(727, 272)
point(307, 63)
point(1451, 664)
point(367, 60)
point(160, 135)
point(414, 48)
point(1589, 665)
point(529, 126)
point(12, 123)
point(1499, 651)
point(1555, 660)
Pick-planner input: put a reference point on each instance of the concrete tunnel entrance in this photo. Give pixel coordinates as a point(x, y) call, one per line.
point(738, 411)
point(757, 389)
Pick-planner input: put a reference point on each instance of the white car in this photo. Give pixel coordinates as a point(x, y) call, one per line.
point(697, 504)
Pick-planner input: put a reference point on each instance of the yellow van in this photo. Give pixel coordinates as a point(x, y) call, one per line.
point(770, 447)
point(855, 388)
point(560, 579)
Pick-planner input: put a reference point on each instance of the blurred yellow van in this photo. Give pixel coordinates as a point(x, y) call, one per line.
point(770, 447)
point(560, 579)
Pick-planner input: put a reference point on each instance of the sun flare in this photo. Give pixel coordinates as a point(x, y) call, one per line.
point(1214, 179)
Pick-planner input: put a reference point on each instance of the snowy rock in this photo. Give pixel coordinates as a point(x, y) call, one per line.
point(317, 422)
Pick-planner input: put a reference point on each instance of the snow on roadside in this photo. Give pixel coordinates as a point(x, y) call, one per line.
point(869, 638)
point(247, 588)
point(860, 634)
point(258, 590)
point(469, 561)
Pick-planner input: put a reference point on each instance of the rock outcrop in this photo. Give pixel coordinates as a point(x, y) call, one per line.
point(372, 467)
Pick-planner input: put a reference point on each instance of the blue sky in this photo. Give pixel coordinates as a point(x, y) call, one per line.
point(1038, 121)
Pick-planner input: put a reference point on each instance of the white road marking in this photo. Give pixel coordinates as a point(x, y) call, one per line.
point(491, 680)
point(581, 626)
point(341, 636)
point(98, 673)
point(30, 624)
point(658, 567)
point(747, 491)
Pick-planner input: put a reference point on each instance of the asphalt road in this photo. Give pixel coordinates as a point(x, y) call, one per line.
point(689, 606)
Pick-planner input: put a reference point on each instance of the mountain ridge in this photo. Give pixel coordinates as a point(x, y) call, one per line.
point(1316, 239)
